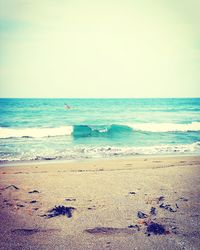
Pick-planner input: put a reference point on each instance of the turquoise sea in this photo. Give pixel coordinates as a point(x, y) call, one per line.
point(67, 129)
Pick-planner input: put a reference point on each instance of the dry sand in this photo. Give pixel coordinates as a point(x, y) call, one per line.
point(106, 195)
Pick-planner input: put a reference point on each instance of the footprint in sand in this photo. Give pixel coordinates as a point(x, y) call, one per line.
point(31, 231)
point(110, 230)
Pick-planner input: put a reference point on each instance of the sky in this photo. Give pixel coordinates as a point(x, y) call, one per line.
point(112, 48)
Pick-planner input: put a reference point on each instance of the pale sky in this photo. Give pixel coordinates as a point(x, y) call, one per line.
point(74, 48)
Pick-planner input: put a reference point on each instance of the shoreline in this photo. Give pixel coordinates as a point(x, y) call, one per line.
point(105, 198)
point(66, 161)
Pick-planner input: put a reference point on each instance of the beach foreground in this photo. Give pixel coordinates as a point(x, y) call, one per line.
point(138, 203)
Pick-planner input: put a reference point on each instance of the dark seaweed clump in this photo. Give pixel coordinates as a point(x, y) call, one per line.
point(168, 207)
point(153, 211)
point(61, 210)
point(155, 228)
point(34, 191)
point(141, 215)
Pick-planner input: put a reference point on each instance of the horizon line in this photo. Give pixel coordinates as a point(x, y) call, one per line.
point(188, 97)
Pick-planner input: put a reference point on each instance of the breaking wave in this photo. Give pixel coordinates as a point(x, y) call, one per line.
point(98, 130)
point(85, 131)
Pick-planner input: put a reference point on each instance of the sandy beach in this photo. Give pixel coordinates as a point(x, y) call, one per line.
point(127, 203)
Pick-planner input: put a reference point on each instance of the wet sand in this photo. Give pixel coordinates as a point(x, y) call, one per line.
point(106, 196)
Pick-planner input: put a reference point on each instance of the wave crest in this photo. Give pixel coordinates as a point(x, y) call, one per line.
point(166, 127)
point(86, 131)
point(35, 132)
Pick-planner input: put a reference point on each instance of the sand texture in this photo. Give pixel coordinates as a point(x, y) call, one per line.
point(138, 203)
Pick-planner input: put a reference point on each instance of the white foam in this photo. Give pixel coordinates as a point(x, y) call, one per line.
point(145, 150)
point(82, 152)
point(165, 127)
point(35, 132)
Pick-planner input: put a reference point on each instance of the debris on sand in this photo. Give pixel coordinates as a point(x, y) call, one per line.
point(9, 204)
point(34, 191)
point(134, 226)
point(183, 199)
point(153, 211)
point(155, 228)
point(167, 207)
point(132, 193)
point(174, 230)
point(32, 202)
point(61, 210)
point(12, 186)
point(141, 215)
point(20, 205)
point(159, 199)
point(148, 223)
point(70, 199)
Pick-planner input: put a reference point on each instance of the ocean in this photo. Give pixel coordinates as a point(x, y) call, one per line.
point(74, 129)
